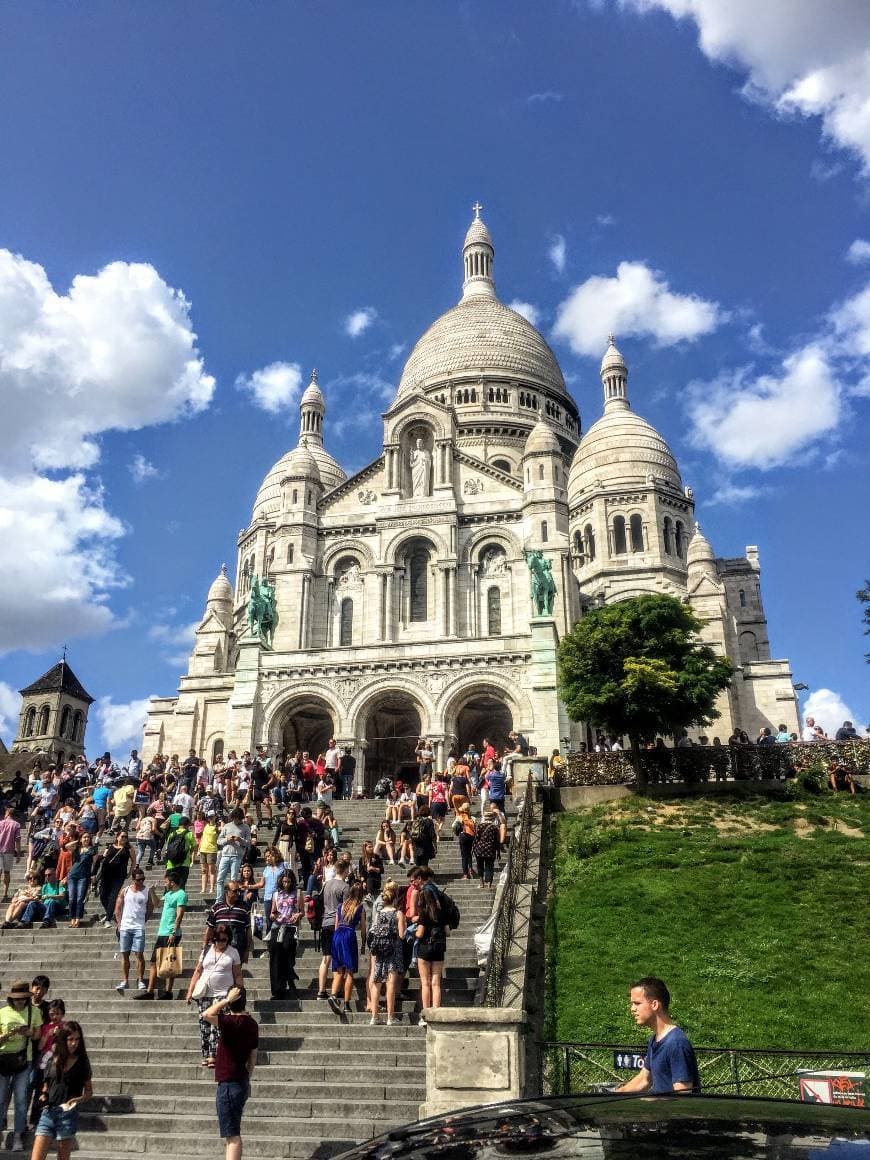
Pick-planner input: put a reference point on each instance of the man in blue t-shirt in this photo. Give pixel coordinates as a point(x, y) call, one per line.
point(670, 1065)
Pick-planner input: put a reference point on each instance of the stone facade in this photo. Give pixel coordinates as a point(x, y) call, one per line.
point(402, 593)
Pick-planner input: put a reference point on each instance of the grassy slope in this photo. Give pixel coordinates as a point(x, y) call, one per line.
point(762, 935)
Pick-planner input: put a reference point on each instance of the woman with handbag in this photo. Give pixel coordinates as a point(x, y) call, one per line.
point(387, 953)
point(218, 970)
point(286, 909)
point(268, 882)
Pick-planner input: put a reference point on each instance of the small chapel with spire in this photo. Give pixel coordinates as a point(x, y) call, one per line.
point(401, 593)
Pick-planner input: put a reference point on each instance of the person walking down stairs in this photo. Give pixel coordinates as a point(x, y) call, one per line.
point(168, 934)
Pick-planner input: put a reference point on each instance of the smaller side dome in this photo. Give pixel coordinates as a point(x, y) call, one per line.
point(221, 591)
point(700, 551)
point(300, 463)
point(478, 234)
point(542, 441)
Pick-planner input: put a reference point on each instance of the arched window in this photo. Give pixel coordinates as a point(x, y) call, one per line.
point(493, 612)
point(742, 596)
point(502, 465)
point(543, 531)
point(540, 471)
point(345, 623)
point(678, 539)
point(289, 553)
point(64, 720)
point(578, 544)
point(418, 581)
point(619, 536)
point(30, 722)
point(78, 722)
point(217, 750)
point(635, 525)
point(42, 727)
point(748, 646)
point(669, 536)
point(218, 663)
point(295, 495)
point(61, 757)
point(589, 537)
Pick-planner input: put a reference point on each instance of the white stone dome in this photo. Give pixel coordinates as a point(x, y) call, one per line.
point(477, 234)
point(330, 474)
point(542, 439)
point(312, 395)
point(221, 591)
point(700, 550)
point(481, 334)
point(621, 448)
point(613, 359)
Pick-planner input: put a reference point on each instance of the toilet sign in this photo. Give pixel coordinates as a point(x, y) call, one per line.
point(628, 1060)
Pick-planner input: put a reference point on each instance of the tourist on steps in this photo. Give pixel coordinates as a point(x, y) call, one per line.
point(168, 934)
point(67, 1083)
point(220, 969)
point(387, 952)
point(239, 1037)
point(345, 948)
point(132, 910)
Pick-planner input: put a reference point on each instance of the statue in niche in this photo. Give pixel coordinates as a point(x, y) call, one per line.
point(351, 577)
point(543, 586)
point(494, 563)
point(421, 470)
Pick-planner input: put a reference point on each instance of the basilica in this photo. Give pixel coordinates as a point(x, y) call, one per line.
point(399, 597)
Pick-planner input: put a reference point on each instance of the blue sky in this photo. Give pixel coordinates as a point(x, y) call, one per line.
point(700, 184)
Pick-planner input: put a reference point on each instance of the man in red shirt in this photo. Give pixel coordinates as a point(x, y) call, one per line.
point(234, 1064)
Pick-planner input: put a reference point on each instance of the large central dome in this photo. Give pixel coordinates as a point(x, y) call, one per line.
point(480, 335)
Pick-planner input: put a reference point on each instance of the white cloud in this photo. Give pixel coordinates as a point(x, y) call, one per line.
point(558, 253)
point(858, 252)
point(10, 704)
point(851, 325)
point(395, 350)
point(545, 97)
point(141, 469)
point(765, 421)
point(358, 321)
point(176, 641)
point(638, 301)
point(605, 219)
point(114, 353)
point(829, 710)
point(122, 725)
point(731, 494)
point(58, 562)
point(117, 353)
point(273, 388)
point(801, 58)
point(529, 312)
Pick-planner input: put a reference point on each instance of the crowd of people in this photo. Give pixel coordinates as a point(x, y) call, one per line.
point(270, 855)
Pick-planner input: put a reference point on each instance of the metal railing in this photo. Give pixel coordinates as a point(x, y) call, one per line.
point(715, 763)
point(575, 1068)
point(495, 971)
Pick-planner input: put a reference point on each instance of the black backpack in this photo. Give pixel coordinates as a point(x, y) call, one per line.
point(176, 851)
point(449, 910)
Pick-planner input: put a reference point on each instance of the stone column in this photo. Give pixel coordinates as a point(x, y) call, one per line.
point(474, 1055)
point(475, 600)
point(451, 592)
point(330, 600)
point(391, 602)
point(445, 600)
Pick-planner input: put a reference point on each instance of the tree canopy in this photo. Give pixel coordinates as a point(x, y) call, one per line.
point(637, 667)
point(863, 595)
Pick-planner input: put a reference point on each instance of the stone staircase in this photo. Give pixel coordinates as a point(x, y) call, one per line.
point(323, 1082)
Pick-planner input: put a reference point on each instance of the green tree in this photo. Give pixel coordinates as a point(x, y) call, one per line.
point(637, 668)
point(863, 595)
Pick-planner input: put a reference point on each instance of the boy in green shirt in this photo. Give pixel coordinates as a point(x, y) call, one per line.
point(168, 932)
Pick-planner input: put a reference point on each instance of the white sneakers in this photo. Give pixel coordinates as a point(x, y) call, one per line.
point(122, 986)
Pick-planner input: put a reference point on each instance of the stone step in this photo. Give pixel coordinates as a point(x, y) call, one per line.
point(265, 1088)
point(288, 1138)
point(390, 1106)
point(399, 1053)
point(283, 1071)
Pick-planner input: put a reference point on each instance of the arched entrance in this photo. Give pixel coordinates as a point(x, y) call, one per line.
point(308, 726)
point(483, 715)
point(392, 729)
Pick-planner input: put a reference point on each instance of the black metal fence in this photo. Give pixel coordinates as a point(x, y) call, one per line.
point(495, 972)
point(716, 763)
point(576, 1068)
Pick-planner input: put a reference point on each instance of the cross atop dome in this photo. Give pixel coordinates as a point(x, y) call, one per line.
point(477, 207)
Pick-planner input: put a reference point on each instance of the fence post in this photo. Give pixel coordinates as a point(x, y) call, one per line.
point(567, 1079)
point(735, 1072)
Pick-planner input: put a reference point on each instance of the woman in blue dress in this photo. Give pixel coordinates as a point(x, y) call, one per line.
point(345, 949)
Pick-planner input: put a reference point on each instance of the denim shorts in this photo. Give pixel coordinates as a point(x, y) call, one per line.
point(230, 1100)
point(58, 1124)
point(132, 940)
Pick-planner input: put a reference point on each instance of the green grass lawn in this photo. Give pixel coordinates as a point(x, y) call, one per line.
point(754, 912)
